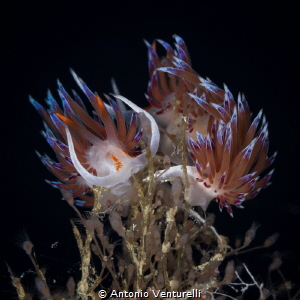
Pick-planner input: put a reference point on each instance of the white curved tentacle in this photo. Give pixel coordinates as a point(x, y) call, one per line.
point(130, 165)
point(110, 180)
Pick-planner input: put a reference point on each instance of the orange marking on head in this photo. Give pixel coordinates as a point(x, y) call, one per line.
point(117, 162)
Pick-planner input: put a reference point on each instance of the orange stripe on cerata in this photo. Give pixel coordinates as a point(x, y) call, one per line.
point(119, 165)
point(63, 118)
point(69, 122)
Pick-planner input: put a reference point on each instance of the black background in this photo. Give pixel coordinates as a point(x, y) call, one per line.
point(251, 49)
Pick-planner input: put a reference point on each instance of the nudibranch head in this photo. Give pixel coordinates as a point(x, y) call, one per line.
point(95, 151)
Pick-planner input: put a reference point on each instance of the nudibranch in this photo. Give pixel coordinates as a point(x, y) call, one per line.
point(171, 80)
point(227, 162)
point(95, 151)
point(228, 151)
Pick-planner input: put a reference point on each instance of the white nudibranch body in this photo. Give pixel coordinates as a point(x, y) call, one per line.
point(197, 194)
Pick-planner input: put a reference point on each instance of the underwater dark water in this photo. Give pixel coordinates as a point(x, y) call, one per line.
point(250, 49)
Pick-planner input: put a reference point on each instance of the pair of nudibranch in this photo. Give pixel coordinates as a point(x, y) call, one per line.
point(226, 151)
